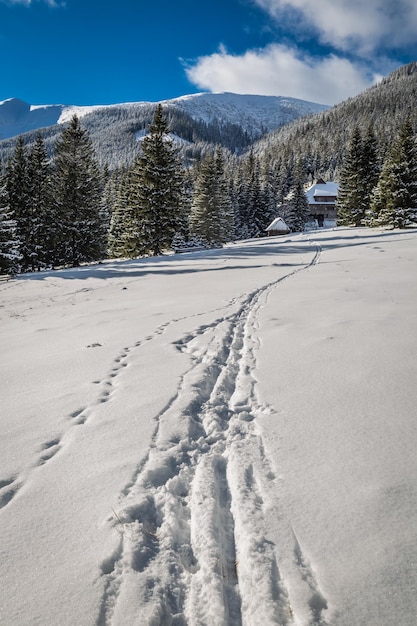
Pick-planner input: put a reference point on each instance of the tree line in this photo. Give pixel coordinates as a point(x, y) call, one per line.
point(379, 189)
point(66, 210)
point(50, 213)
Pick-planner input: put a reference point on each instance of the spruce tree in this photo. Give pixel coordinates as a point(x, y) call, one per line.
point(77, 190)
point(123, 232)
point(212, 214)
point(10, 256)
point(156, 194)
point(353, 200)
point(371, 164)
point(297, 204)
point(394, 201)
point(205, 219)
point(242, 219)
point(269, 184)
point(255, 202)
point(383, 205)
point(223, 199)
point(18, 190)
point(252, 202)
point(108, 198)
point(40, 207)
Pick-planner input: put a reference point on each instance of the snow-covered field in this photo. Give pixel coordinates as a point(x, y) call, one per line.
point(224, 437)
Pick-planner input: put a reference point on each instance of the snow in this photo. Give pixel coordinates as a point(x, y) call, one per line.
point(324, 192)
point(69, 111)
point(217, 437)
point(252, 113)
point(278, 224)
point(176, 140)
point(17, 116)
point(322, 189)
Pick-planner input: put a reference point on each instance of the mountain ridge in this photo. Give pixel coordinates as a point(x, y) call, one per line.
point(254, 113)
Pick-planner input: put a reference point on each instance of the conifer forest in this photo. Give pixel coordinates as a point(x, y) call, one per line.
point(67, 199)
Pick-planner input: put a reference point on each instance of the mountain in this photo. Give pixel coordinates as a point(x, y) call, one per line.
point(232, 120)
point(255, 114)
point(321, 141)
point(18, 117)
point(281, 129)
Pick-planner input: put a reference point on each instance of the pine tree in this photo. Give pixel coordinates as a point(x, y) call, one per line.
point(371, 165)
point(253, 212)
point(123, 230)
point(205, 219)
point(18, 190)
point(353, 199)
point(108, 198)
point(212, 215)
point(223, 199)
point(270, 191)
point(255, 199)
point(297, 203)
point(383, 205)
point(157, 189)
point(10, 256)
point(394, 201)
point(40, 207)
point(240, 196)
point(77, 189)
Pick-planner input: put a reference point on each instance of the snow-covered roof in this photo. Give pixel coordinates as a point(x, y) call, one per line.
point(277, 224)
point(322, 190)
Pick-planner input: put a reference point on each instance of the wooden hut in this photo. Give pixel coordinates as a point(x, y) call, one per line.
point(277, 227)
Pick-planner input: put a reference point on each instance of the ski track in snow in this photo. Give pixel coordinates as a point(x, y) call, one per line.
point(10, 486)
point(194, 546)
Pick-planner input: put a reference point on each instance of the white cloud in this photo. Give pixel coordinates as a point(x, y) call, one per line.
point(343, 23)
point(279, 70)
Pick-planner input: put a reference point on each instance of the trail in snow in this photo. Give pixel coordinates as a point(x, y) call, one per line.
point(193, 520)
point(11, 485)
point(196, 528)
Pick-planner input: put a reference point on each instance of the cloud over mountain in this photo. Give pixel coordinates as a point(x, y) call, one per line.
point(325, 51)
point(278, 69)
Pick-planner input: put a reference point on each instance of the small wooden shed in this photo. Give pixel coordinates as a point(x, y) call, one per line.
point(277, 227)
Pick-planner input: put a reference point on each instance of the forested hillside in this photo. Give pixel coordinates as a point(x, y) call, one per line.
point(322, 140)
point(114, 133)
point(197, 121)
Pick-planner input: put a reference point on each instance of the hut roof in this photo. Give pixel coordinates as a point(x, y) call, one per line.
point(322, 190)
point(278, 224)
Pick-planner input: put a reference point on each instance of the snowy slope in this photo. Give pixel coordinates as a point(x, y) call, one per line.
point(18, 117)
point(253, 113)
point(225, 437)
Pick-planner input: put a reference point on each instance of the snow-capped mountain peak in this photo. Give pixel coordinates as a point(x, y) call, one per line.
point(255, 114)
point(18, 117)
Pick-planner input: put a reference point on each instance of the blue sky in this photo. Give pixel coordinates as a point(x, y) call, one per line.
point(102, 52)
